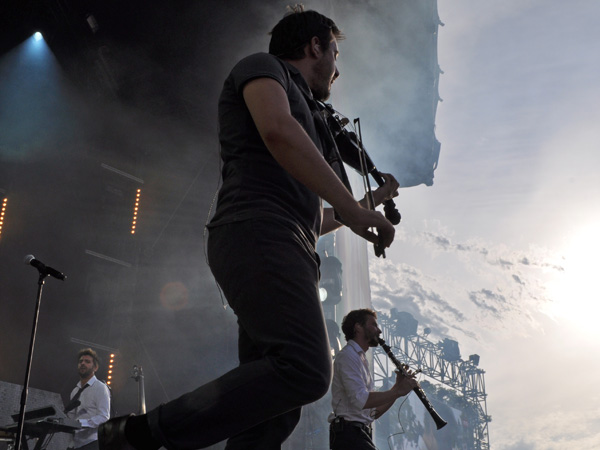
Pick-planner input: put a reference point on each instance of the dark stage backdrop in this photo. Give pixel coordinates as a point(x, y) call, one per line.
point(121, 96)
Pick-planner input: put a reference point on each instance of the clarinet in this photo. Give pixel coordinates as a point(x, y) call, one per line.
point(439, 422)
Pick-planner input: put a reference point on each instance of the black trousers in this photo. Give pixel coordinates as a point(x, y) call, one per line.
point(350, 436)
point(269, 276)
point(91, 446)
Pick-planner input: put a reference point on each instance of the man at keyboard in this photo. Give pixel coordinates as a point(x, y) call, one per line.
point(89, 402)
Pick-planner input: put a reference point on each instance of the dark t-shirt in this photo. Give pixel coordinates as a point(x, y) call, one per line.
point(254, 184)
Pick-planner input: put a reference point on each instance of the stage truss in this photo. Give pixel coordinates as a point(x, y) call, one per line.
point(462, 376)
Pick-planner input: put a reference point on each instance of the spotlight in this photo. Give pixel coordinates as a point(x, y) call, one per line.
point(331, 280)
point(92, 23)
point(322, 293)
point(38, 36)
point(426, 332)
point(404, 322)
point(474, 359)
point(450, 350)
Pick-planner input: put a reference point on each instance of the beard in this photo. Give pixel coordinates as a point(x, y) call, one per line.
point(84, 373)
point(373, 340)
point(321, 93)
point(322, 86)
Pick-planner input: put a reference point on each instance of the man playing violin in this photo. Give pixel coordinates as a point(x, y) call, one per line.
point(262, 248)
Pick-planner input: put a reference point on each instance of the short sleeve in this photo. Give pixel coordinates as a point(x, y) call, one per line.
point(259, 65)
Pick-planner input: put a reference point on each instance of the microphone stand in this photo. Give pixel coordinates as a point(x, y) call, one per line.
point(24, 394)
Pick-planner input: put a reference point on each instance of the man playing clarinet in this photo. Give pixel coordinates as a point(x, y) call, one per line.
point(354, 399)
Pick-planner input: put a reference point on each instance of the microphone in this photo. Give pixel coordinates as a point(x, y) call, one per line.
point(43, 268)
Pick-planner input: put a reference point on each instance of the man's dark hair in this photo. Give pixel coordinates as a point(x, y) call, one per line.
point(358, 316)
point(89, 352)
point(297, 28)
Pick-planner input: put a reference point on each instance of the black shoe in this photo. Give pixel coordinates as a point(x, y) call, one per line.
point(111, 434)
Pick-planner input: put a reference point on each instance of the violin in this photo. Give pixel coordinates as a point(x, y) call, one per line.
point(355, 155)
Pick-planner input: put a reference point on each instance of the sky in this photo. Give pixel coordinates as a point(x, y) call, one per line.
point(500, 253)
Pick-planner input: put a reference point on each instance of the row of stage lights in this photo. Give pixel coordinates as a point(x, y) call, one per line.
point(135, 210)
point(133, 221)
point(2, 214)
point(111, 365)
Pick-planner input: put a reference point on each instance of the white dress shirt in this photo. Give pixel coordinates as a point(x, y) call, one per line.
point(93, 411)
point(351, 385)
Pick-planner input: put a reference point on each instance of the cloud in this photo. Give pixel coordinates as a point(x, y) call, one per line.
point(487, 300)
point(577, 430)
point(407, 289)
point(517, 279)
point(465, 289)
point(521, 445)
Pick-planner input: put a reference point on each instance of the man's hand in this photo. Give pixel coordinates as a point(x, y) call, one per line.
point(405, 383)
point(387, 191)
point(360, 219)
point(384, 236)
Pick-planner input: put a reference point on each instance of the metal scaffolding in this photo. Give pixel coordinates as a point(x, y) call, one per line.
point(462, 376)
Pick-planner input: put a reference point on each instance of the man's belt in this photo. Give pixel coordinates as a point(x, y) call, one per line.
point(339, 422)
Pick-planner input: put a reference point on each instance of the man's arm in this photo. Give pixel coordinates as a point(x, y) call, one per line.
point(293, 149)
point(101, 407)
point(383, 400)
point(381, 410)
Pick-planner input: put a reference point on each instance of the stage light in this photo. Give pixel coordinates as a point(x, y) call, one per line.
point(404, 323)
point(474, 359)
point(38, 36)
point(450, 350)
point(135, 211)
point(426, 332)
point(331, 280)
point(322, 294)
point(2, 214)
point(111, 364)
point(92, 23)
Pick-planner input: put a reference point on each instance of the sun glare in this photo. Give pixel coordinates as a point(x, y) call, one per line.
point(574, 292)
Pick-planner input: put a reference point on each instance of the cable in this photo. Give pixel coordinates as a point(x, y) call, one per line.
point(208, 217)
point(151, 363)
point(402, 429)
